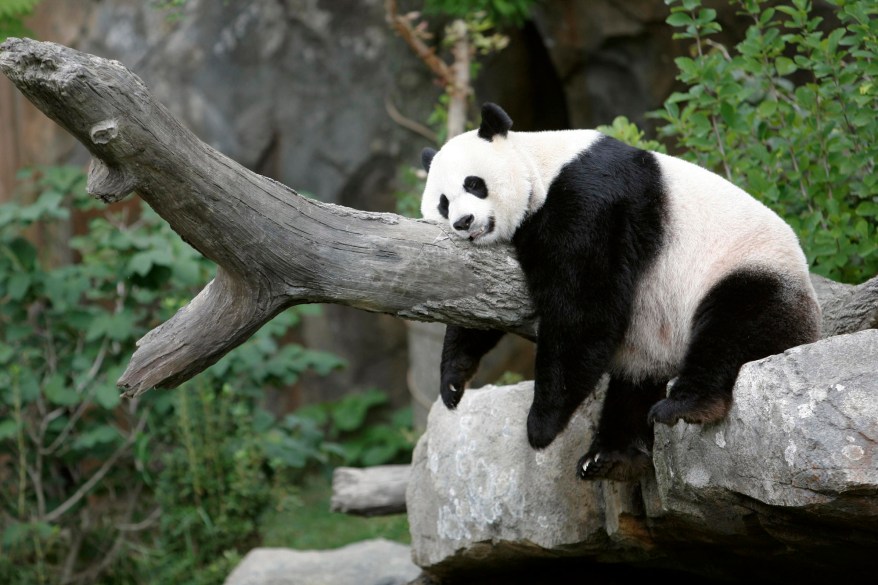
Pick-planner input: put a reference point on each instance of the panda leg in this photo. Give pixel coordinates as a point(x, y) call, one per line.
point(748, 315)
point(622, 446)
point(462, 350)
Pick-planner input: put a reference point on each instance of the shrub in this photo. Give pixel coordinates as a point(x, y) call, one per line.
point(168, 487)
point(789, 114)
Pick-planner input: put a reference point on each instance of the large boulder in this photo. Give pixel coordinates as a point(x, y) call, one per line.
point(787, 482)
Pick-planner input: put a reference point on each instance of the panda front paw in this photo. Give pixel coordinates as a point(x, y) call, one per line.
point(628, 465)
point(543, 428)
point(451, 390)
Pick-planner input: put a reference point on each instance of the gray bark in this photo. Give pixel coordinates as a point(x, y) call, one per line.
point(371, 491)
point(273, 247)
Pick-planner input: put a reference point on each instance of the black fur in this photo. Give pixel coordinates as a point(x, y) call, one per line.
point(583, 253)
point(495, 122)
point(748, 315)
point(427, 155)
point(622, 446)
point(443, 206)
point(475, 186)
point(461, 352)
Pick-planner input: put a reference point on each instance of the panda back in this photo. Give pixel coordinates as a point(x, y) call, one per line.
point(713, 228)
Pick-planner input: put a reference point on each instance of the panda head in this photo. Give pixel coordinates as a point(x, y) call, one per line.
point(478, 182)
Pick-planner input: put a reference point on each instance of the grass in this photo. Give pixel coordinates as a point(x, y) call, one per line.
point(306, 523)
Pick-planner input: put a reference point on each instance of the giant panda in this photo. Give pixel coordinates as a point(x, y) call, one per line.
point(640, 265)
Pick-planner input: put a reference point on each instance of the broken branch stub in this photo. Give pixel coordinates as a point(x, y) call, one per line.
point(274, 247)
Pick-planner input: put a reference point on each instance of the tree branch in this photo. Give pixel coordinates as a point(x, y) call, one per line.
point(274, 248)
point(425, 53)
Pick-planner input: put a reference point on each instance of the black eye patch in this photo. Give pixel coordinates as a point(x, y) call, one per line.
point(475, 186)
point(443, 206)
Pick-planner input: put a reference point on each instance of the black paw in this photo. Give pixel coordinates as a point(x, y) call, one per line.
point(543, 428)
point(693, 410)
point(451, 390)
point(628, 465)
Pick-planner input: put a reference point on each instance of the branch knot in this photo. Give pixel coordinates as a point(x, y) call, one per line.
point(104, 131)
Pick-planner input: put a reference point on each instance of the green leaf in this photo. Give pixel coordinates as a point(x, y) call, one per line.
point(350, 412)
point(58, 393)
point(766, 108)
point(784, 66)
point(18, 285)
point(15, 533)
point(107, 395)
point(94, 436)
point(28, 386)
point(679, 19)
point(8, 429)
point(119, 326)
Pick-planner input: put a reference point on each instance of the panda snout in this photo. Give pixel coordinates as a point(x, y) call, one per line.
point(463, 223)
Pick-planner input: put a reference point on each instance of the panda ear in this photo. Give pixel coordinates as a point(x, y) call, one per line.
point(427, 157)
point(494, 122)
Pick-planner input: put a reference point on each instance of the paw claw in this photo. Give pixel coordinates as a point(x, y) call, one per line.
point(451, 393)
point(616, 465)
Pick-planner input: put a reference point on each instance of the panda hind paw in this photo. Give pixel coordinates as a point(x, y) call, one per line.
point(693, 410)
point(629, 465)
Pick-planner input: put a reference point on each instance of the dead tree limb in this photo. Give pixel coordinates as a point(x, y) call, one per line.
point(273, 247)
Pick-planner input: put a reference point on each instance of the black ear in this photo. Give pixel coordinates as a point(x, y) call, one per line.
point(427, 157)
point(494, 121)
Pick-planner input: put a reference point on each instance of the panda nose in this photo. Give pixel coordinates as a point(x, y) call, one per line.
point(464, 222)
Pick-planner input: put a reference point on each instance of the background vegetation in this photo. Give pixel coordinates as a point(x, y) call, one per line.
point(789, 114)
point(175, 486)
point(172, 487)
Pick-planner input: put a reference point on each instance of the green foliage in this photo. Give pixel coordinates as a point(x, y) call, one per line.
point(789, 114)
point(363, 432)
point(169, 487)
point(306, 523)
point(408, 196)
point(501, 12)
point(12, 15)
point(480, 20)
point(173, 8)
point(627, 131)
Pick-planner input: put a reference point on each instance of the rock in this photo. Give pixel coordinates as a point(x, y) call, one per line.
point(788, 483)
point(370, 562)
point(847, 308)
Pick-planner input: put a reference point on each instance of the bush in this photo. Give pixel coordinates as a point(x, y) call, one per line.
point(165, 488)
point(789, 114)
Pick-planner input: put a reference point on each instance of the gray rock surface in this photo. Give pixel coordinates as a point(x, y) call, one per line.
point(788, 482)
point(370, 562)
point(847, 307)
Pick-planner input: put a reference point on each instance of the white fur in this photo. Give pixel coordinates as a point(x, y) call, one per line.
point(517, 169)
point(713, 228)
